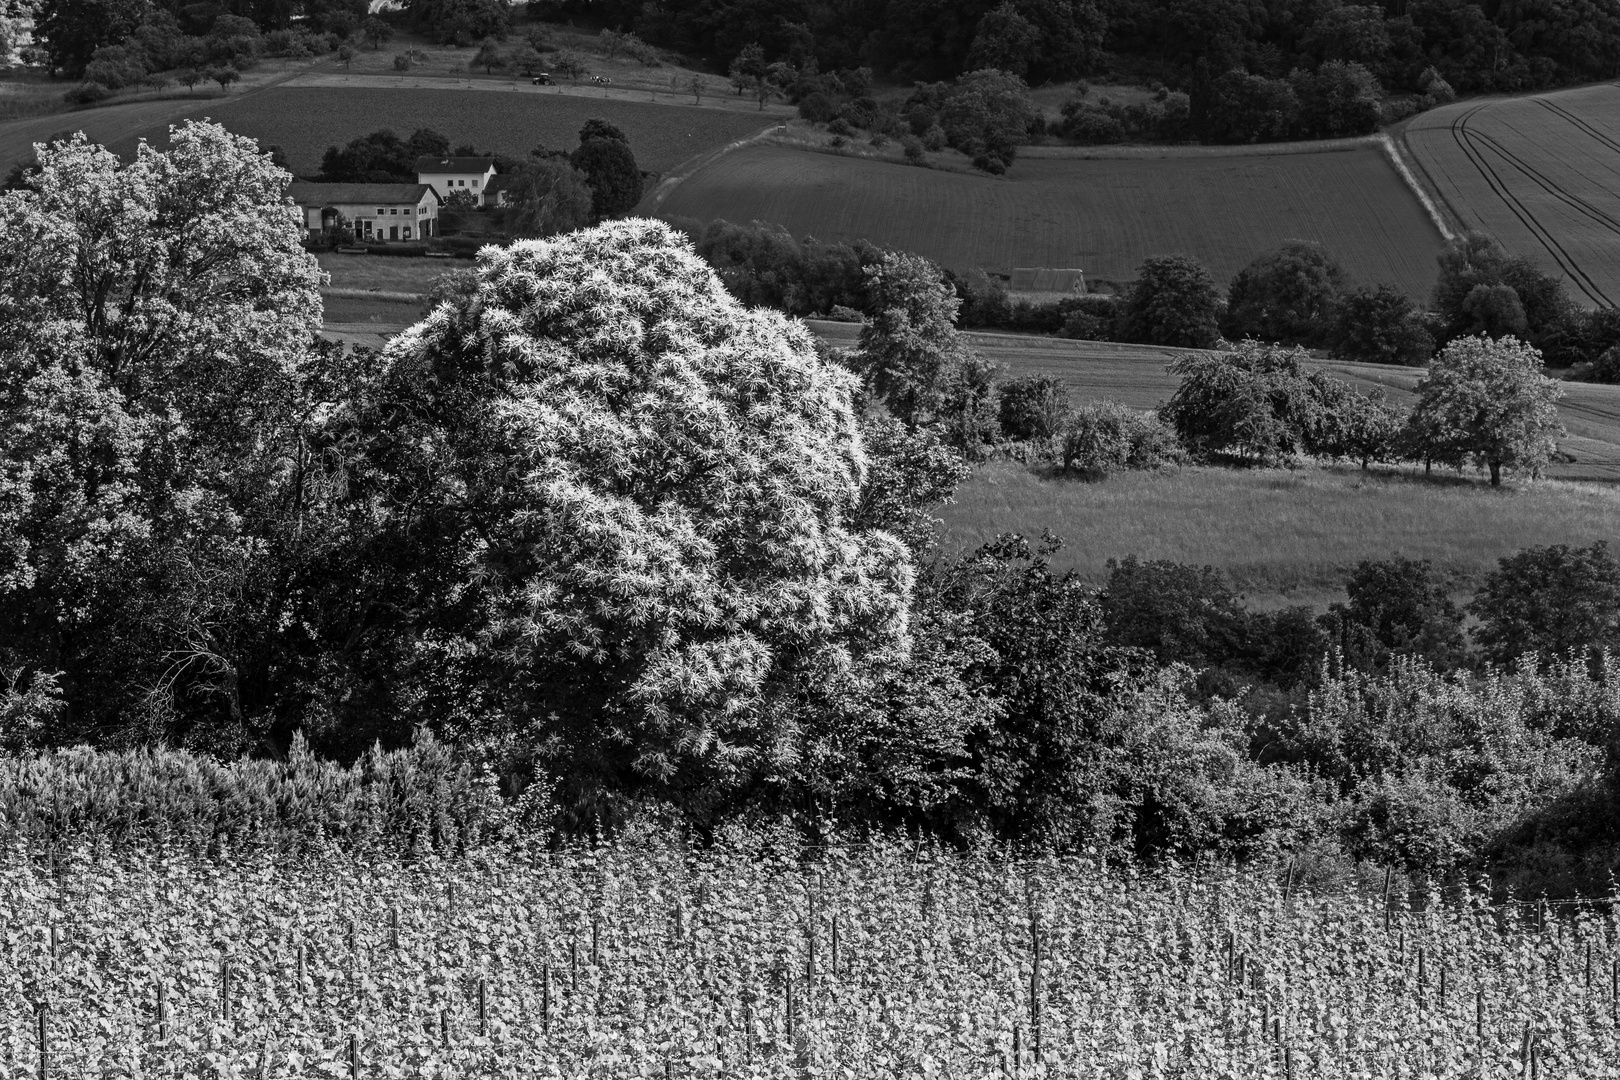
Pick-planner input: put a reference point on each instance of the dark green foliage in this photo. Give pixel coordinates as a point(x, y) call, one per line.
point(1396, 607)
point(1182, 614)
point(1101, 437)
point(1166, 118)
point(1381, 326)
point(1472, 292)
point(381, 157)
point(1289, 296)
point(461, 22)
point(763, 265)
point(1174, 301)
point(1033, 407)
point(986, 114)
point(610, 169)
point(1550, 601)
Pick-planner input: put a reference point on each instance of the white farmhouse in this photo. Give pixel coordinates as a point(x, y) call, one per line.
point(373, 211)
point(451, 175)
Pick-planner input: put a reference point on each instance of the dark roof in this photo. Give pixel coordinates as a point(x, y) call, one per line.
point(307, 194)
point(454, 164)
point(501, 182)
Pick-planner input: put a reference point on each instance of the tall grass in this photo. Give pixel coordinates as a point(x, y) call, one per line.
point(1283, 535)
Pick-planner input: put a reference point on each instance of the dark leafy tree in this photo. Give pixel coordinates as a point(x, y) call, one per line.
point(1549, 602)
point(1033, 407)
point(1405, 609)
point(1381, 326)
point(1289, 296)
point(609, 167)
point(1174, 301)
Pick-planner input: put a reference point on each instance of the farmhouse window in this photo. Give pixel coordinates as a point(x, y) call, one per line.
point(381, 211)
point(407, 211)
point(395, 211)
point(406, 232)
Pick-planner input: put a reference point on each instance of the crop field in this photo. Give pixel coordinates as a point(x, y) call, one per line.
point(880, 961)
point(1099, 213)
point(1539, 173)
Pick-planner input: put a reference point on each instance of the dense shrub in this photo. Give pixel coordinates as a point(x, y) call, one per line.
point(1174, 301)
point(1256, 401)
point(1032, 408)
point(1381, 326)
point(763, 265)
point(1551, 601)
point(1101, 437)
point(1289, 296)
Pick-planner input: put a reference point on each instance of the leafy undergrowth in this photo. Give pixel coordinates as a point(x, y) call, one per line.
point(647, 960)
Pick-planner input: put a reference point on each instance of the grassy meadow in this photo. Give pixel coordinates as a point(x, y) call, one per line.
point(1540, 173)
point(1285, 536)
point(1101, 213)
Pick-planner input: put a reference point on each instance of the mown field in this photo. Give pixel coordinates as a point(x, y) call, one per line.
point(881, 961)
point(1101, 214)
point(1540, 173)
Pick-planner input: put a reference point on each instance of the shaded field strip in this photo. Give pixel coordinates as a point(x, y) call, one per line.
point(1465, 142)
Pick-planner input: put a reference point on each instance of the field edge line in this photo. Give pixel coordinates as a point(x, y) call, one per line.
point(1393, 153)
point(685, 170)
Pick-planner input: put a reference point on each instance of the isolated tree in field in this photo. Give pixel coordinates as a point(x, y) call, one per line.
point(346, 54)
point(547, 198)
point(1381, 326)
point(1255, 400)
point(489, 56)
point(986, 115)
point(188, 78)
point(659, 526)
point(747, 67)
point(225, 76)
point(913, 358)
point(1488, 400)
point(528, 61)
point(1348, 424)
point(609, 166)
point(1550, 602)
point(157, 403)
point(1288, 296)
point(1174, 301)
point(1494, 311)
point(376, 31)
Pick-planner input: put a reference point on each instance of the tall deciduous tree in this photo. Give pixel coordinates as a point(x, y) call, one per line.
point(1289, 296)
point(158, 403)
point(1490, 401)
point(546, 198)
point(609, 166)
point(651, 494)
point(1174, 301)
point(1550, 601)
point(914, 359)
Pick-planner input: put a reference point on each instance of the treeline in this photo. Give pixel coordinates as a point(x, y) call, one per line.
point(1297, 295)
point(1242, 65)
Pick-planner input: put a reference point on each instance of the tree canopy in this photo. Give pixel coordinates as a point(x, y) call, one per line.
point(1488, 400)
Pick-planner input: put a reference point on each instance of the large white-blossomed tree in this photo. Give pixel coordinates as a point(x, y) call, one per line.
point(645, 502)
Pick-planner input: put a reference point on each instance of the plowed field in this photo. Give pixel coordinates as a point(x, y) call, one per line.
point(1541, 174)
point(1101, 214)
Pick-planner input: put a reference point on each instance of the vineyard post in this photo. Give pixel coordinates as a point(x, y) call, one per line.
point(573, 964)
point(44, 1046)
point(1035, 986)
point(1422, 977)
point(545, 998)
point(1288, 887)
point(354, 1056)
point(1018, 1050)
point(483, 1006)
point(1479, 1019)
point(302, 962)
point(1442, 986)
point(1387, 871)
point(1288, 1063)
point(56, 939)
point(393, 928)
point(787, 1009)
point(748, 1028)
point(1588, 967)
point(444, 1027)
point(834, 969)
point(596, 938)
point(163, 1011)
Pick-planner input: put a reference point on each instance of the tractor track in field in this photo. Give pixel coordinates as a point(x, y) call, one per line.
point(1465, 139)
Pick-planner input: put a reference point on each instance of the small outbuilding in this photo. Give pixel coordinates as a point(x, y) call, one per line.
point(373, 211)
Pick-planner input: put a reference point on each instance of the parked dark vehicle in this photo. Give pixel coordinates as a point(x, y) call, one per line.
point(542, 79)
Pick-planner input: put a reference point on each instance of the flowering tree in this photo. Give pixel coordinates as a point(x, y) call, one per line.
point(1488, 400)
point(655, 492)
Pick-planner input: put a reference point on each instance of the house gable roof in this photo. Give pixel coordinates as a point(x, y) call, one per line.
point(305, 193)
point(469, 165)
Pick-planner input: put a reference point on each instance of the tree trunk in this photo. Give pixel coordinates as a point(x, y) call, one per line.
point(1496, 473)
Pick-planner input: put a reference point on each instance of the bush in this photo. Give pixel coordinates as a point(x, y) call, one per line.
point(839, 126)
point(87, 94)
point(1553, 602)
point(1381, 326)
point(1104, 436)
point(1032, 408)
point(913, 148)
point(1288, 296)
point(1255, 400)
point(818, 108)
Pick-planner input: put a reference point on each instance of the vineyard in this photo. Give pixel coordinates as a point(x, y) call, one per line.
point(1103, 214)
point(1538, 173)
point(882, 960)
